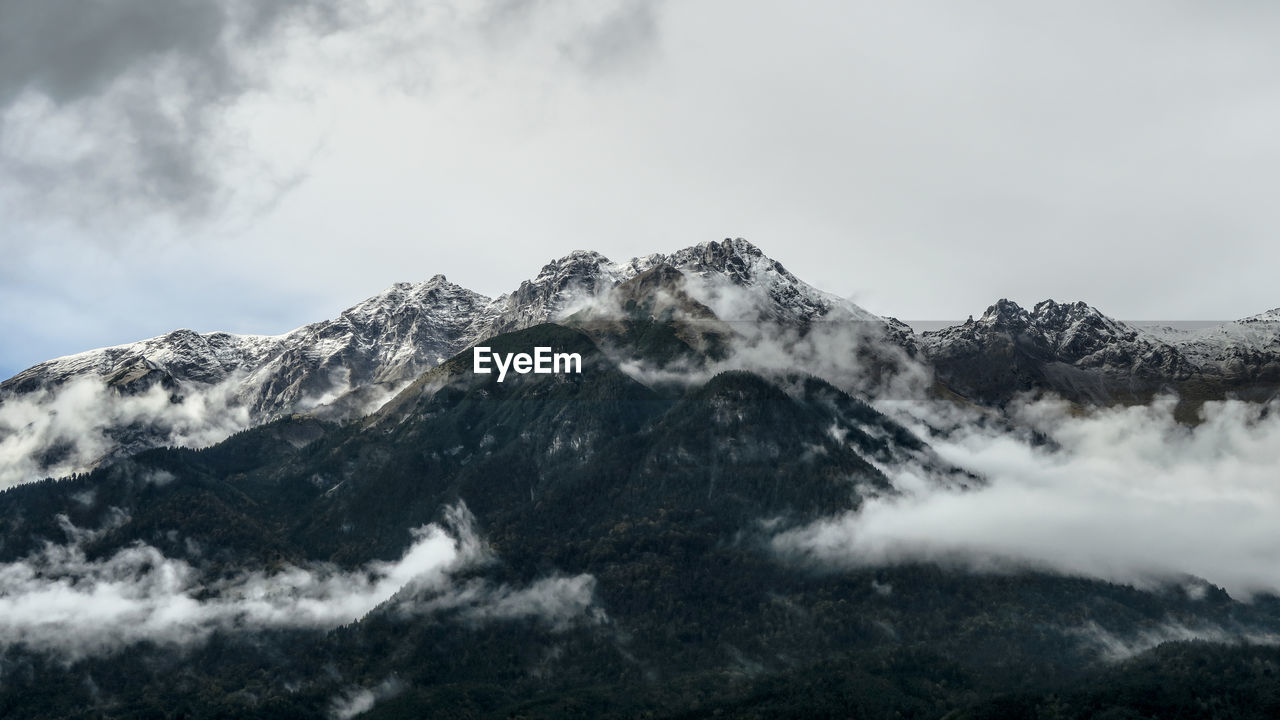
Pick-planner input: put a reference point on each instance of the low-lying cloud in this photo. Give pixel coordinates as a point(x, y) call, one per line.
point(57, 431)
point(360, 700)
point(1114, 646)
point(848, 347)
point(1123, 494)
point(59, 601)
point(557, 602)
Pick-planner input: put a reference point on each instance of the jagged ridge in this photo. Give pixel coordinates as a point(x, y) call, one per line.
point(351, 364)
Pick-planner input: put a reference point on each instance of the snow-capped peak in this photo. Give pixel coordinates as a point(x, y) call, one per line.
point(1069, 332)
point(1063, 324)
point(775, 292)
point(1245, 348)
point(173, 379)
point(1005, 312)
point(1270, 316)
point(733, 277)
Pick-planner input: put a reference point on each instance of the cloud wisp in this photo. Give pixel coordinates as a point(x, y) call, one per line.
point(1123, 494)
point(1115, 647)
point(57, 431)
point(360, 700)
point(849, 348)
point(61, 602)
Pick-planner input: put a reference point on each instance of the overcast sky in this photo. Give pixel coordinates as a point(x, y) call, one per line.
point(248, 166)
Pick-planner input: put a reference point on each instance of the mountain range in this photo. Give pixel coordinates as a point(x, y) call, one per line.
point(346, 521)
point(349, 366)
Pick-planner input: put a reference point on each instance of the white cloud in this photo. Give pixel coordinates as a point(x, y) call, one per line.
point(73, 427)
point(1114, 646)
point(58, 431)
point(359, 700)
point(557, 601)
point(57, 600)
point(1123, 494)
point(849, 351)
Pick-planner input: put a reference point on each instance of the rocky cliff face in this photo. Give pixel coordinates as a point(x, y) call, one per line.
point(1068, 348)
point(733, 277)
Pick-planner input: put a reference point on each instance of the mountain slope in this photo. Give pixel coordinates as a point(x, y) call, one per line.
point(1245, 352)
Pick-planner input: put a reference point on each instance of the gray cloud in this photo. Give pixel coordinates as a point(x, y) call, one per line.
point(617, 39)
point(558, 602)
point(68, 50)
point(121, 110)
point(120, 105)
point(59, 601)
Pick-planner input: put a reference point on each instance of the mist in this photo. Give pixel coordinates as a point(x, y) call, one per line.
point(846, 346)
point(61, 602)
point(1114, 647)
point(1126, 495)
point(59, 430)
point(53, 432)
point(360, 700)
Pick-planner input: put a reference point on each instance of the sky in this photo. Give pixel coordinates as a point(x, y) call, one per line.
point(251, 167)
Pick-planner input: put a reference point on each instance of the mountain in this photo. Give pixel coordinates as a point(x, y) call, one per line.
point(734, 278)
point(771, 292)
point(1243, 355)
point(551, 546)
point(560, 287)
point(676, 531)
point(729, 304)
point(1077, 352)
point(1070, 349)
point(188, 388)
point(385, 339)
